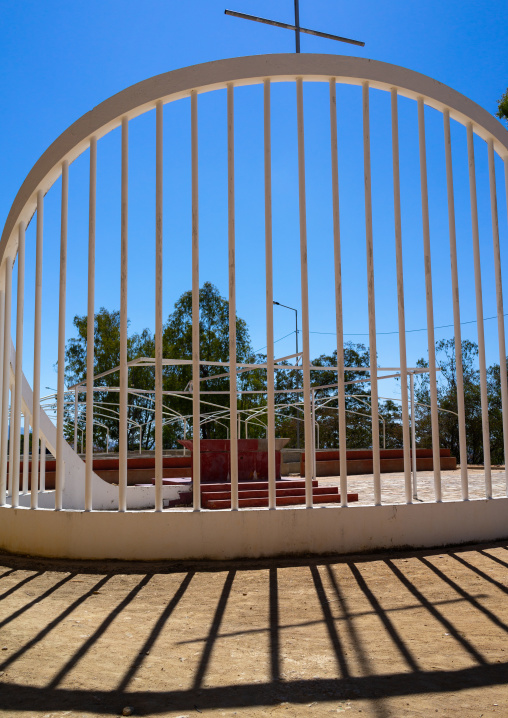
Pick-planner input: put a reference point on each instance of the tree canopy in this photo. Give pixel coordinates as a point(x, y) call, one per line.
point(502, 107)
point(214, 347)
point(447, 400)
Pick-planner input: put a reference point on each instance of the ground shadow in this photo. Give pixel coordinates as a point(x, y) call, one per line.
point(342, 592)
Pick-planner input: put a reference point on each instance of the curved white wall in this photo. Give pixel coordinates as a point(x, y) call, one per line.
point(180, 535)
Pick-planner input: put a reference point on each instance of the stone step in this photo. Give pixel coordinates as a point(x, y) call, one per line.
point(263, 493)
point(249, 485)
point(280, 501)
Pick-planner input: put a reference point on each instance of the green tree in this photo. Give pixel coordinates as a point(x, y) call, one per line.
point(214, 347)
point(177, 344)
point(106, 358)
point(447, 399)
point(502, 107)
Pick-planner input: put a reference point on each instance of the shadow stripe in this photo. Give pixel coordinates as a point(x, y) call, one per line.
point(42, 634)
point(132, 670)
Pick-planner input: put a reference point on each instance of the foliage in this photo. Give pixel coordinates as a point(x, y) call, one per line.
point(502, 107)
point(447, 399)
point(106, 358)
point(177, 344)
point(214, 347)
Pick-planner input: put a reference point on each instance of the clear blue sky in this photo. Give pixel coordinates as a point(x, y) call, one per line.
point(60, 59)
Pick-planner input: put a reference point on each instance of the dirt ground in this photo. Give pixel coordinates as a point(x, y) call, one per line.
point(390, 635)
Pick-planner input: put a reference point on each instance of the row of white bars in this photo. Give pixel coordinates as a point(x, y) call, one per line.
point(5, 312)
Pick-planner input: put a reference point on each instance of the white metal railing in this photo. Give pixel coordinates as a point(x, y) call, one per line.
point(190, 83)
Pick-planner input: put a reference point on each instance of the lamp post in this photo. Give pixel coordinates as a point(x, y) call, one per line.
point(296, 362)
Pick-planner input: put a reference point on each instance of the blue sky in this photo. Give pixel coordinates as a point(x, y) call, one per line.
point(59, 59)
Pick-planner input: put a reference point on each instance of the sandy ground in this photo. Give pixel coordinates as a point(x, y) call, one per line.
point(390, 635)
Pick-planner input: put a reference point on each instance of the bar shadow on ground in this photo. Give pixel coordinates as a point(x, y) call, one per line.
point(358, 613)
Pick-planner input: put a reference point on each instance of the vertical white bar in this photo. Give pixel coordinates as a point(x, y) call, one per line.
point(413, 435)
point(371, 297)
point(233, 401)
point(338, 295)
point(499, 302)
point(26, 446)
point(400, 297)
point(76, 420)
point(159, 164)
point(307, 409)
point(505, 162)
point(314, 423)
point(270, 377)
point(124, 370)
point(456, 308)
point(436, 457)
point(90, 345)
point(11, 442)
point(2, 322)
point(36, 411)
point(43, 464)
point(61, 337)
point(18, 371)
point(196, 444)
point(6, 379)
point(479, 312)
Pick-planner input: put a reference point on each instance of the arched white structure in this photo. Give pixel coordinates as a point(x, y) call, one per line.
point(253, 532)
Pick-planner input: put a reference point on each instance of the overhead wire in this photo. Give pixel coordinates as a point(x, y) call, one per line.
point(366, 334)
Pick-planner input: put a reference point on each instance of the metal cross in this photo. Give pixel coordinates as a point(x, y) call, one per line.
point(296, 27)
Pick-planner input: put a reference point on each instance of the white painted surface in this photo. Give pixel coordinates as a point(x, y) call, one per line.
point(251, 533)
point(137, 497)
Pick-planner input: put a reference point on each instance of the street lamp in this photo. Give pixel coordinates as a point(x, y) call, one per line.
point(296, 361)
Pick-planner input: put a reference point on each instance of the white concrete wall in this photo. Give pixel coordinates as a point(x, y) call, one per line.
point(249, 533)
point(138, 497)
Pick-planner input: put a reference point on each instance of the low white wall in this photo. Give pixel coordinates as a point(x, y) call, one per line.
point(138, 497)
point(249, 533)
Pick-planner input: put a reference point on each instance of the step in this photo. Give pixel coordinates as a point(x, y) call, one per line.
point(280, 501)
point(263, 493)
point(248, 485)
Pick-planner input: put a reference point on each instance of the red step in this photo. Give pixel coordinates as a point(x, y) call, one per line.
point(263, 493)
point(280, 501)
point(262, 485)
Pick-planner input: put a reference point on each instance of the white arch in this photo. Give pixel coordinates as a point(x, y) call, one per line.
point(177, 84)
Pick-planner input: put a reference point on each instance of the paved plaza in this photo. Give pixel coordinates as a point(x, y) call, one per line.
point(392, 485)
